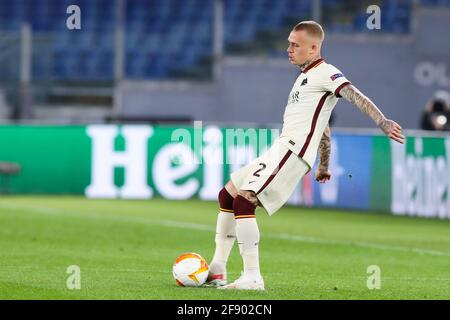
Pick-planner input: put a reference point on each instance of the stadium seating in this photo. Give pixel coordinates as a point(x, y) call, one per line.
point(166, 37)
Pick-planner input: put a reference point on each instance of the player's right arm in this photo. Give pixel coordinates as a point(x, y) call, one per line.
point(322, 172)
point(366, 106)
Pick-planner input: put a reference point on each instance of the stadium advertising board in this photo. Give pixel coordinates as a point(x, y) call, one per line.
point(421, 177)
point(141, 162)
point(350, 166)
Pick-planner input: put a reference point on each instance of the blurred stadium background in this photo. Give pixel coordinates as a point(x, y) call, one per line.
point(133, 59)
point(93, 112)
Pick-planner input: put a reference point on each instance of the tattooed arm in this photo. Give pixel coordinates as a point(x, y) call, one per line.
point(322, 173)
point(366, 106)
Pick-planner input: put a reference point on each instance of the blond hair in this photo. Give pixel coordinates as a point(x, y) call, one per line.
point(312, 28)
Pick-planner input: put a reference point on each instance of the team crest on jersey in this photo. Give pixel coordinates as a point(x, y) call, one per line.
point(335, 76)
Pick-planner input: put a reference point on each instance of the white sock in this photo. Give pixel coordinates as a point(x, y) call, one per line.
point(225, 237)
point(247, 233)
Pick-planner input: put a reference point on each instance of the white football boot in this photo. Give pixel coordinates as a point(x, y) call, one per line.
point(245, 283)
point(216, 280)
point(217, 276)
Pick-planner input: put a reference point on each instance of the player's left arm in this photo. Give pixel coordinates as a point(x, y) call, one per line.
point(322, 173)
point(392, 129)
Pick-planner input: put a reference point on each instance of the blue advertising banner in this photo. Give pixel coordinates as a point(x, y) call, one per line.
point(350, 166)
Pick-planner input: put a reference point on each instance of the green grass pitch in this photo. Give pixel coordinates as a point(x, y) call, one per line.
point(125, 250)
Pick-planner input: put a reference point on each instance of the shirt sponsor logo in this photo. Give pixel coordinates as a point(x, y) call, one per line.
point(294, 97)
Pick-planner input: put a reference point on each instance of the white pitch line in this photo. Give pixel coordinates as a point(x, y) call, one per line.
point(285, 236)
point(357, 243)
point(209, 228)
point(15, 206)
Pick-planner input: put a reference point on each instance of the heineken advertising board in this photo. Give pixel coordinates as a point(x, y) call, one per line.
point(143, 161)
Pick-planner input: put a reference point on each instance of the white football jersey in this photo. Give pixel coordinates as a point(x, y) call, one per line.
point(313, 97)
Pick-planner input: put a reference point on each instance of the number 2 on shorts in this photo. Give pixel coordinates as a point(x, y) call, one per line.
point(263, 166)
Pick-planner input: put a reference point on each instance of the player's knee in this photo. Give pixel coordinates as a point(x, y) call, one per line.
point(225, 200)
point(231, 189)
point(250, 196)
point(243, 208)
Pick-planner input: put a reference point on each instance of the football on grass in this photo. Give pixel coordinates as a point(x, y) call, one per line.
point(190, 270)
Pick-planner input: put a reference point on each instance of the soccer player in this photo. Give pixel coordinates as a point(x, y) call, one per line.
point(270, 179)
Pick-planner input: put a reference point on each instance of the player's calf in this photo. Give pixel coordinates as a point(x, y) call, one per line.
point(247, 233)
point(225, 238)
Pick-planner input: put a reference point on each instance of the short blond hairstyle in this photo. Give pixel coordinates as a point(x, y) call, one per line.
point(312, 28)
